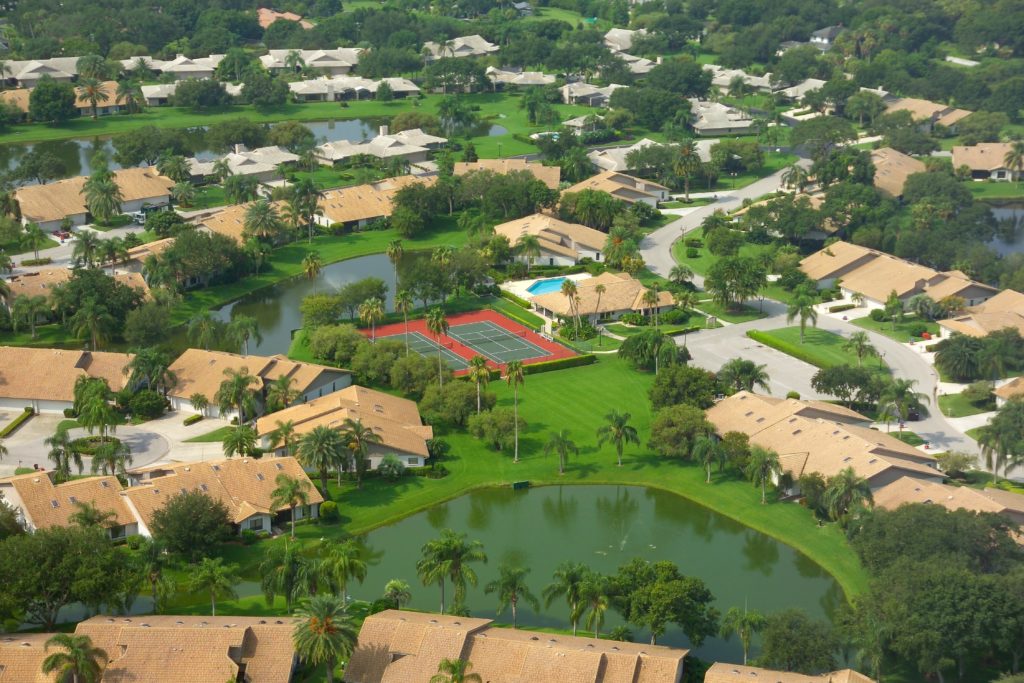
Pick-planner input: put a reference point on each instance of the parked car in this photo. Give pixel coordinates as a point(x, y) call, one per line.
point(913, 415)
point(139, 217)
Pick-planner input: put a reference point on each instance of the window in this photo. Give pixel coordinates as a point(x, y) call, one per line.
point(54, 504)
point(256, 523)
point(278, 465)
point(259, 476)
point(72, 499)
point(412, 461)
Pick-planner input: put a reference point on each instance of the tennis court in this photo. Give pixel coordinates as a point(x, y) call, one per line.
point(425, 346)
point(495, 343)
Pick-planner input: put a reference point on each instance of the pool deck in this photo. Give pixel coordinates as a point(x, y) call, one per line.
point(521, 288)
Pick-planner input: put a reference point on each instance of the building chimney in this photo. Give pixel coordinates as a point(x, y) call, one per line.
point(384, 129)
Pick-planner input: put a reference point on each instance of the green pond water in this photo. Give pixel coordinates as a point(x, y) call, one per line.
point(603, 527)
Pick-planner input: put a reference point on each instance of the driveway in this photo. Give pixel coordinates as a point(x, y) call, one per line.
point(61, 254)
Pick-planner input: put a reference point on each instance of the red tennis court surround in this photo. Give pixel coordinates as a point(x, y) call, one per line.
point(475, 333)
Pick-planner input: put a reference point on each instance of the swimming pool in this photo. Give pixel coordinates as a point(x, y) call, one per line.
point(546, 286)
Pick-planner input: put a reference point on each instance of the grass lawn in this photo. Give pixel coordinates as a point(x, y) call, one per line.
point(207, 197)
point(327, 178)
point(820, 348)
point(17, 247)
point(909, 438)
point(974, 433)
point(956, 405)
point(705, 259)
point(53, 335)
point(902, 331)
point(216, 436)
point(773, 161)
point(739, 314)
point(544, 406)
point(991, 189)
point(692, 204)
point(629, 331)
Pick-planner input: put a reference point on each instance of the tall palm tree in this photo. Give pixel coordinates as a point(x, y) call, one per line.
point(324, 632)
point(204, 330)
point(94, 321)
point(479, 374)
point(796, 176)
point(437, 323)
point(283, 435)
point(371, 312)
point(322, 449)
point(63, 453)
point(1014, 158)
point(289, 492)
point(76, 659)
point(528, 246)
point(237, 391)
point(594, 600)
point(802, 307)
point(358, 438)
point(511, 589)
point(283, 571)
point(239, 441)
point(87, 248)
point(515, 377)
point(744, 624)
point(900, 397)
point(844, 491)
point(707, 451)
point(103, 198)
point(243, 328)
point(174, 166)
point(93, 91)
point(216, 578)
point(403, 304)
point(687, 164)
point(345, 562)
point(461, 555)
point(568, 582)
point(221, 170)
point(561, 445)
point(680, 274)
point(432, 567)
point(28, 308)
point(397, 592)
point(262, 220)
point(312, 265)
point(743, 375)
point(618, 431)
point(395, 251)
point(859, 344)
point(184, 193)
point(34, 237)
point(455, 671)
point(599, 290)
point(762, 466)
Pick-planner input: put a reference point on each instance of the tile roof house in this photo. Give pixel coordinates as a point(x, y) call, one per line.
point(181, 67)
point(1005, 309)
point(588, 95)
point(158, 94)
point(907, 490)
point(638, 66)
point(49, 204)
point(201, 372)
point(927, 113)
point(340, 87)
point(621, 39)
point(463, 46)
point(41, 504)
point(336, 62)
point(722, 78)
point(230, 221)
point(244, 485)
point(42, 282)
point(549, 175)
point(987, 161)
point(413, 145)
point(27, 73)
point(875, 274)
point(266, 17)
point(17, 98)
point(823, 38)
point(21, 658)
point(44, 379)
point(615, 158)
point(111, 105)
point(715, 118)
point(262, 163)
point(623, 294)
point(397, 647)
point(722, 672)
point(814, 436)
point(797, 92)
point(629, 189)
point(363, 204)
point(395, 420)
point(503, 77)
point(561, 243)
point(892, 168)
point(1009, 390)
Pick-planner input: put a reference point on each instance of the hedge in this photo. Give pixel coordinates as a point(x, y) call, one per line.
point(560, 364)
point(798, 352)
point(45, 261)
point(515, 299)
point(16, 422)
point(841, 307)
point(192, 419)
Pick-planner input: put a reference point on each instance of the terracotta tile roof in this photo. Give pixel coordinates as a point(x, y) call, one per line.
point(984, 156)
point(554, 232)
point(244, 485)
point(396, 420)
point(48, 505)
point(892, 168)
point(622, 293)
point(549, 175)
point(50, 374)
point(108, 87)
point(366, 202)
point(202, 372)
point(721, 672)
point(54, 201)
point(266, 17)
point(168, 649)
point(19, 97)
point(621, 186)
point(407, 646)
point(21, 658)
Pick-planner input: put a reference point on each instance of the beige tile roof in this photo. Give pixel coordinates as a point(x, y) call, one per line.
point(549, 175)
point(835, 260)
point(230, 221)
point(1005, 309)
point(407, 646)
point(622, 293)
point(721, 672)
point(984, 156)
point(48, 505)
point(54, 201)
point(810, 437)
point(366, 202)
point(907, 490)
point(266, 17)
point(619, 185)
point(892, 168)
point(199, 371)
point(244, 485)
point(108, 87)
point(19, 97)
point(926, 109)
point(155, 248)
point(50, 374)
point(169, 649)
point(396, 420)
point(553, 231)
point(1012, 389)
point(21, 658)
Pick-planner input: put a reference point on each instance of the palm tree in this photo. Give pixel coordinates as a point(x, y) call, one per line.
point(261, 220)
point(372, 311)
point(199, 403)
point(283, 435)
point(570, 292)
point(437, 323)
point(404, 304)
point(618, 431)
point(284, 571)
point(762, 466)
point(103, 198)
point(450, 557)
point(321, 449)
point(594, 601)
point(707, 451)
point(561, 445)
point(86, 249)
point(242, 329)
point(76, 659)
point(175, 167)
point(324, 632)
point(859, 344)
point(802, 306)
point(184, 193)
point(479, 374)
point(1014, 158)
point(900, 397)
point(290, 492)
point(28, 308)
point(311, 265)
point(743, 375)
point(358, 437)
point(515, 377)
point(433, 563)
point(680, 274)
point(650, 299)
point(687, 164)
point(455, 671)
point(239, 441)
point(395, 251)
point(216, 578)
point(237, 391)
point(568, 580)
point(599, 290)
point(744, 624)
point(397, 592)
point(34, 237)
point(528, 246)
point(221, 170)
point(88, 515)
point(92, 320)
point(345, 562)
point(63, 453)
point(844, 491)
point(511, 588)
point(204, 330)
point(93, 91)
point(280, 394)
point(796, 176)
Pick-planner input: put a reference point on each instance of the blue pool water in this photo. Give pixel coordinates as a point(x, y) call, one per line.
point(546, 286)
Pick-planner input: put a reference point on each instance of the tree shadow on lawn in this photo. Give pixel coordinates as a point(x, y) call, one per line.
point(379, 492)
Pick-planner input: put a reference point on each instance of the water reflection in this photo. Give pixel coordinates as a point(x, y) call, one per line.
point(761, 552)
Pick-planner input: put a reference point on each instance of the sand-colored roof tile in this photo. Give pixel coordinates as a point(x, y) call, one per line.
point(50, 374)
point(560, 236)
point(366, 202)
point(549, 175)
point(54, 201)
point(49, 505)
point(619, 185)
point(21, 658)
point(892, 168)
point(722, 672)
point(984, 156)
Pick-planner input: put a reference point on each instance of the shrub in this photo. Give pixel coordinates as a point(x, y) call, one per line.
point(329, 512)
point(134, 541)
point(13, 425)
point(917, 329)
point(877, 314)
point(147, 404)
point(515, 299)
point(676, 316)
point(634, 319)
point(694, 242)
point(249, 537)
point(568, 331)
point(691, 252)
point(560, 364)
point(192, 419)
point(793, 394)
point(45, 261)
point(841, 307)
point(391, 468)
point(69, 413)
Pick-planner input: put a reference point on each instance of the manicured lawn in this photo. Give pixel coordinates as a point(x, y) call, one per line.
point(990, 189)
point(820, 348)
point(773, 161)
point(909, 438)
point(692, 204)
point(902, 331)
point(208, 196)
point(696, 323)
point(16, 247)
point(326, 178)
point(739, 314)
point(216, 436)
point(53, 335)
point(956, 405)
point(974, 433)
point(705, 259)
